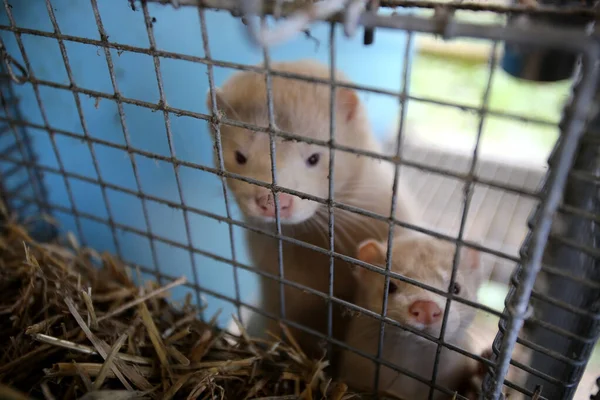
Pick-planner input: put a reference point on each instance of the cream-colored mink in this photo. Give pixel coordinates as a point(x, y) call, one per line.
point(302, 108)
point(429, 261)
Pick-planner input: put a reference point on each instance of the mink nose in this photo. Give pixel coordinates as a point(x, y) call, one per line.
point(425, 312)
point(266, 204)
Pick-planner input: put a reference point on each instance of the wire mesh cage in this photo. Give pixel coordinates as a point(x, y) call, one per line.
point(307, 200)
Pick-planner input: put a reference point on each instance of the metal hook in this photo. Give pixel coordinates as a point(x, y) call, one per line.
point(369, 37)
point(352, 16)
point(10, 62)
point(514, 313)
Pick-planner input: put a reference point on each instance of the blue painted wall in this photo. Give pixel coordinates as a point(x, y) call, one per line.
point(176, 30)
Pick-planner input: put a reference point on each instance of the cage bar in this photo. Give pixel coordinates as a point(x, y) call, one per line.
point(390, 237)
point(468, 193)
point(21, 144)
point(65, 57)
point(331, 218)
point(38, 98)
point(518, 308)
point(572, 318)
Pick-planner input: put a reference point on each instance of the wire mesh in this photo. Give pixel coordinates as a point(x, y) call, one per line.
point(18, 156)
point(18, 147)
point(576, 192)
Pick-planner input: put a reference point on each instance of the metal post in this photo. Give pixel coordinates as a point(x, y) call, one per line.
point(581, 193)
point(20, 143)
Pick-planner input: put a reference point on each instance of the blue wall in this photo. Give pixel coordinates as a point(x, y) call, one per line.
point(176, 30)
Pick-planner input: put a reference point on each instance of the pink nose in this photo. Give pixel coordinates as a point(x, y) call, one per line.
point(425, 312)
point(266, 204)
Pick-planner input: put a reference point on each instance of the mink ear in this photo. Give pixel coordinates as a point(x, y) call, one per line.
point(371, 251)
point(348, 103)
point(222, 104)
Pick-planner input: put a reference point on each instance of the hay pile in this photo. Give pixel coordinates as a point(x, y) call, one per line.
point(71, 330)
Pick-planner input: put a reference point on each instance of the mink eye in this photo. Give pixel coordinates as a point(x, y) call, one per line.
point(313, 160)
point(392, 288)
point(456, 288)
point(240, 158)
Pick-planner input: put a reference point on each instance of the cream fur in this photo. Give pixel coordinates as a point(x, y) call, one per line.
point(429, 261)
point(302, 108)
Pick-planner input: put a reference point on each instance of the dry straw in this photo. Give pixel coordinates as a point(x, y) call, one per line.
point(75, 326)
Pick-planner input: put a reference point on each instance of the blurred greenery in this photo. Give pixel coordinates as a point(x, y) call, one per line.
point(462, 82)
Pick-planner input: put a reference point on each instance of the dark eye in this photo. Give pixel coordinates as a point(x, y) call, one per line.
point(240, 158)
point(392, 288)
point(456, 288)
point(313, 159)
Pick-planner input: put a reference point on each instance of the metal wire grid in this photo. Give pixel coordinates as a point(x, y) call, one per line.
point(19, 178)
point(583, 196)
point(525, 275)
point(573, 122)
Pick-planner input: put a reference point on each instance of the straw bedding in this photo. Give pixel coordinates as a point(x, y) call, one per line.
point(75, 326)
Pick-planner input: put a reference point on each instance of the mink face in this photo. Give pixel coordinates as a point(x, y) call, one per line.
point(303, 109)
point(428, 261)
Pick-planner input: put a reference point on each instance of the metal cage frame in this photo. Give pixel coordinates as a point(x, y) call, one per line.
point(516, 313)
